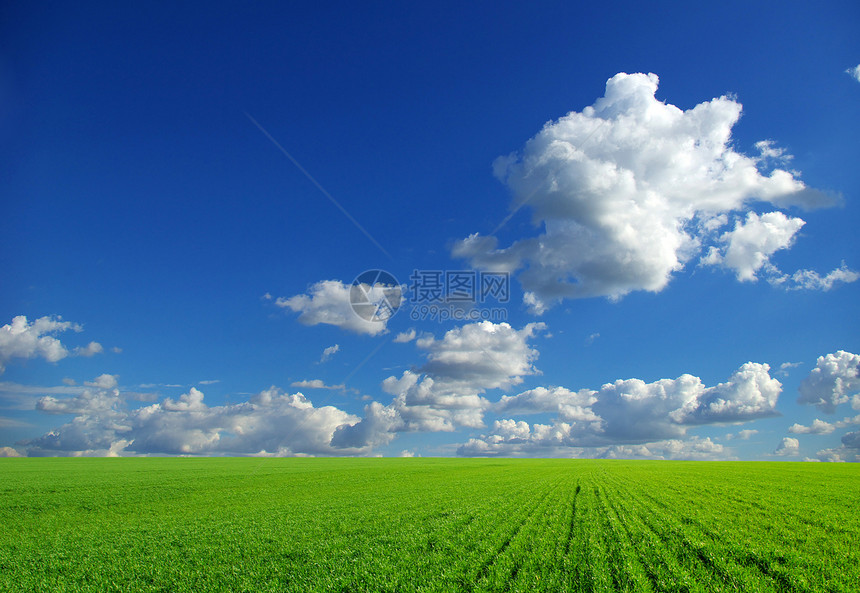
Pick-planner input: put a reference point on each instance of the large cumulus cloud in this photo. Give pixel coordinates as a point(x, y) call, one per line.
point(631, 189)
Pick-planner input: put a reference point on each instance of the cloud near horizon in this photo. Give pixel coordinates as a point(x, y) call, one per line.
point(269, 423)
point(447, 391)
point(626, 412)
point(626, 418)
point(631, 189)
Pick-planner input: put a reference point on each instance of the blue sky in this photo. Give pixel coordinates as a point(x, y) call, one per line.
point(672, 190)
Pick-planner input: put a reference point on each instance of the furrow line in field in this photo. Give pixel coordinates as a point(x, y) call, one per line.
point(576, 566)
point(660, 566)
point(627, 569)
point(540, 549)
point(658, 553)
point(694, 545)
point(527, 517)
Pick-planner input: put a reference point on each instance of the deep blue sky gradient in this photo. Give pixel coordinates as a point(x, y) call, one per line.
point(140, 201)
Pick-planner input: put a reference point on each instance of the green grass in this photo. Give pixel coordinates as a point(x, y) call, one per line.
point(427, 525)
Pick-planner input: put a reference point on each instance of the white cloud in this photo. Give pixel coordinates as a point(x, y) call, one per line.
point(99, 396)
point(209, 382)
point(481, 355)
point(270, 422)
point(788, 447)
point(511, 438)
point(328, 303)
point(749, 246)
point(812, 280)
point(835, 380)
point(329, 352)
point(104, 381)
point(742, 435)
point(749, 393)
point(405, 337)
point(692, 449)
point(629, 190)
point(785, 367)
point(560, 400)
point(446, 392)
point(817, 427)
point(822, 427)
point(406, 453)
point(315, 384)
point(187, 402)
point(21, 339)
point(854, 72)
point(628, 412)
point(769, 151)
point(90, 349)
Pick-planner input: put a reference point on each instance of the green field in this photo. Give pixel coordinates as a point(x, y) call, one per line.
point(427, 525)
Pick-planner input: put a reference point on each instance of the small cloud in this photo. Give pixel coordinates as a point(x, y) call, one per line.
point(768, 150)
point(788, 447)
point(104, 381)
point(90, 349)
point(68, 381)
point(822, 427)
point(209, 382)
point(812, 280)
point(854, 72)
point(404, 337)
point(743, 435)
point(817, 427)
point(267, 296)
point(407, 453)
point(116, 350)
point(329, 352)
point(590, 339)
point(316, 384)
point(787, 366)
